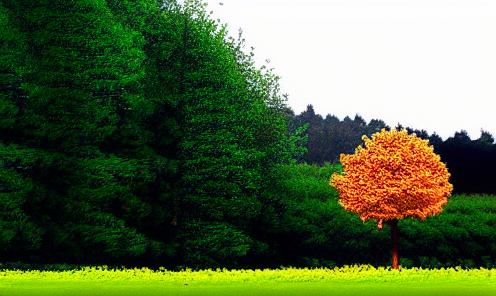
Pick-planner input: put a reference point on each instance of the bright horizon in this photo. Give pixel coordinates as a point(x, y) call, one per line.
point(426, 64)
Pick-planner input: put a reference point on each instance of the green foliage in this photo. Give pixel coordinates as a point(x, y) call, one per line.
point(140, 121)
point(317, 229)
point(308, 181)
point(17, 230)
point(135, 134)
point(232, 130)
point(216, 245)
point(10, 57)
point(406, 263)
point(76, 88)
point(462, 232)
point(297, 143)
point(96, 189)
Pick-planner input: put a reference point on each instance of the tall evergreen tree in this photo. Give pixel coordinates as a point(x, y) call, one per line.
point(375, 126)
point(232, 133)
point(436, 141)
point(82, 79)
point(486, 137)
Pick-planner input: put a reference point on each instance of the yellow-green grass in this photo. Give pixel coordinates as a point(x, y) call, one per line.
point(354, 280)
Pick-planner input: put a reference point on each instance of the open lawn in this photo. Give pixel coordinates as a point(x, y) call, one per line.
point(135, 288)
point(356, 280)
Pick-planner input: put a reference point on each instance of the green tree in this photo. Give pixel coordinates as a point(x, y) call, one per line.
point(83, 81)
point(486, 137)
point(12, 97)
point(232, 134)
point(375, 126)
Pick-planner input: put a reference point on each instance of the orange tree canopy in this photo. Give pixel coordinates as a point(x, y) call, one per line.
point(395, 176)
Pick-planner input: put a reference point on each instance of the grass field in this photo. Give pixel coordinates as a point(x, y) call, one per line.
point(355, 280)
point(134, 288)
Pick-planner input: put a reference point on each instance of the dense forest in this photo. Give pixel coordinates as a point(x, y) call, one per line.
point(138, 133)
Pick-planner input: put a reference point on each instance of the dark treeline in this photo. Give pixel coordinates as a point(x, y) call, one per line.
point(470, 162)
point(137, 133)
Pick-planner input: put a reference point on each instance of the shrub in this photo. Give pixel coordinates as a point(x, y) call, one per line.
point(406, 262)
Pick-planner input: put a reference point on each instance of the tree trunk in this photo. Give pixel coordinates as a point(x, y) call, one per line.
point(394, 239)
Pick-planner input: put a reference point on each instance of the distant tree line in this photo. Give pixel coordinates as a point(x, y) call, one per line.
point(470, 162)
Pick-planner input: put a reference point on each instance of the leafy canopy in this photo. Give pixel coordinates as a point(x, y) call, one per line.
point(395, 176)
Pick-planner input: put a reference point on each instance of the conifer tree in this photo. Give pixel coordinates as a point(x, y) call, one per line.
point(228, 140)
point(82, 76)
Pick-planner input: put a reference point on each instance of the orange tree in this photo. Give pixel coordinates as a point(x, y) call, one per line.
point(396, 176)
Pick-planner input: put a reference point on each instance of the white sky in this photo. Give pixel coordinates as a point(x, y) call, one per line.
point(429, 64)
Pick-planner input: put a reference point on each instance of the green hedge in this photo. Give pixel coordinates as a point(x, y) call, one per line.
point(319, 232)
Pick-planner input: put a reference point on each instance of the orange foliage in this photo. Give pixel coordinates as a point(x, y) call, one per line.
point(395, 176)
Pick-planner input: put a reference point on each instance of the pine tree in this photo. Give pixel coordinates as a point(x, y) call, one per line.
point(83, 69)
point(228, 145)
